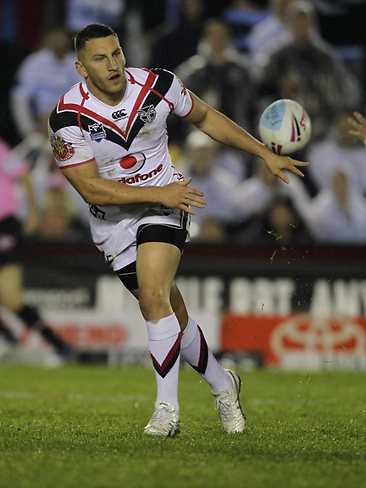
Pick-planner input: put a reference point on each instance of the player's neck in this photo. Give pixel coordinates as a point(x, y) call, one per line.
point(107, 98)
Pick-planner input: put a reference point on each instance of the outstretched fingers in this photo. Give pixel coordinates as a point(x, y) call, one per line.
point(292, 165)
point(194, 191)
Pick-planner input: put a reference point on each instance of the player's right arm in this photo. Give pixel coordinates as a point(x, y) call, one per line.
point(224, 130)
point(98, 191)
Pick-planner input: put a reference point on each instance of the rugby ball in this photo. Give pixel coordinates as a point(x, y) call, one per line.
point(284, 126)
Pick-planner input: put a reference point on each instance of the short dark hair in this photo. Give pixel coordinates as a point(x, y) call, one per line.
point(92, 31)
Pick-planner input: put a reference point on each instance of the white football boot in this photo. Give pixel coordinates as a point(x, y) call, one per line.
point(228, 404)
point(164, 421)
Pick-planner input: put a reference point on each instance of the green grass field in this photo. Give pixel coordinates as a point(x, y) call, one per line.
point(81, 426)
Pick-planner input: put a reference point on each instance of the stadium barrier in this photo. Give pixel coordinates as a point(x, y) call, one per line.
point(286, 308)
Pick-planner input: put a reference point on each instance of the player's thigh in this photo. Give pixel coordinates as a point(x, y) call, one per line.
point(11, 286)
point(156, 266)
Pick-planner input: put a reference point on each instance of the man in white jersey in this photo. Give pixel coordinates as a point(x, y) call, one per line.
point(109, 137)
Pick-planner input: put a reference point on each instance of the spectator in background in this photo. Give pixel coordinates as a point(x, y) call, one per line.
point(337, 214)
point(242, 16)
point(279, 226)
point(338, 150)
point(216, 183)
point(261, 203)
point(343, 25)
point(42, 78)
point(173, 44)
point(253, 195)
point(82, 12)
point(220, 75)
point(270, 33)
point(58, 215)
point(13, 170)
point(306, 70)
point(212, 231)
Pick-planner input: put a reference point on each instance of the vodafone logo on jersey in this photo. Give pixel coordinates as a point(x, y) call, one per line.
point(132, 162)
point(137, 178)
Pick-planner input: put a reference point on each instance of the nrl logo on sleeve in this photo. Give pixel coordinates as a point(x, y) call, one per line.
point(147, 114)
point(97, 132)
point(61, 149)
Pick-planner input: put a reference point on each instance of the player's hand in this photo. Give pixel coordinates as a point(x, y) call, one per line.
point(180, 195)
point(358, 124)
point(276, 164)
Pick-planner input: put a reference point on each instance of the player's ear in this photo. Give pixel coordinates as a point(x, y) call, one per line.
point(80, 69)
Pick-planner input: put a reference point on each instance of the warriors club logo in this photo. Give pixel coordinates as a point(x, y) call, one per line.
point(147, 114)
point(62, 150)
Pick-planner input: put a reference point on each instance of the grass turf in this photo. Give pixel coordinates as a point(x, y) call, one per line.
point(81, 426)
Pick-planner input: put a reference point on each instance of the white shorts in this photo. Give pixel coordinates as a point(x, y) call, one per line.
point(118, 239)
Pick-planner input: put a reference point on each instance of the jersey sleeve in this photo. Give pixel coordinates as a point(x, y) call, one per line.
point(67, 141)
point(180, 97)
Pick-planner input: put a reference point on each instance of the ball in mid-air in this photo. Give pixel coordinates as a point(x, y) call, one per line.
point(284, 126)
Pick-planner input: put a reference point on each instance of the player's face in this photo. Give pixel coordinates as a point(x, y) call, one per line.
point(101, 62)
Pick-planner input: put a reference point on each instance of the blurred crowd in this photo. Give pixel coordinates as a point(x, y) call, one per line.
point(239, 56)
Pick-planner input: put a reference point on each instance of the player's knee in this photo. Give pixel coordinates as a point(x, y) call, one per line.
point(152, 301)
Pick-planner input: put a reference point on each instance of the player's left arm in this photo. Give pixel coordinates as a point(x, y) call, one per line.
point(224, 130)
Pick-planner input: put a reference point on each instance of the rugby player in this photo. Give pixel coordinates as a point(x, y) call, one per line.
point(109, 137)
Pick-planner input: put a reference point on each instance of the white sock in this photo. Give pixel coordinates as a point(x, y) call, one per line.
point(194, 351)
point(164, 338)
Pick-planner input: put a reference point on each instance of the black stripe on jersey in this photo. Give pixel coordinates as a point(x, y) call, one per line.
point(162, 85)
point(59, 120)
point(165, 78)
point(68, 118)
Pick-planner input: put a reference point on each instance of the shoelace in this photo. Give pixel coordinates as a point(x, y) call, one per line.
point(227, 407)
point(160, 412)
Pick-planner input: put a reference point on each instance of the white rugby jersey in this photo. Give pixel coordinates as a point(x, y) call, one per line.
point(128, 141)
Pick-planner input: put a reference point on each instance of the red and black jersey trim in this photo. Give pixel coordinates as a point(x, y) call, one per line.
point(157, 95)
point(203, 359)
point(172, 356)
point(152, 93)
point(60, 120)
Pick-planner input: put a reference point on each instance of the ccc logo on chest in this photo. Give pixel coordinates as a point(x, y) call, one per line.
point(132, 162)
point(119, 114)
